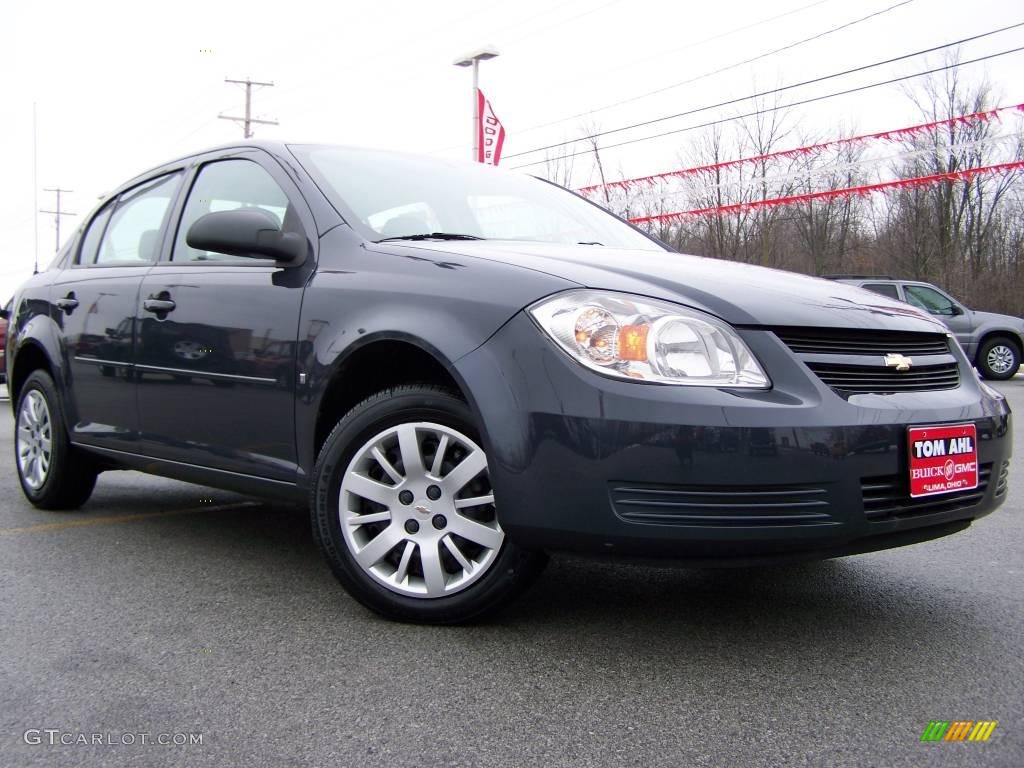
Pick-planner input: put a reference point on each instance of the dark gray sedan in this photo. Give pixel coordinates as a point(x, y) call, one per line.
point(463, 369)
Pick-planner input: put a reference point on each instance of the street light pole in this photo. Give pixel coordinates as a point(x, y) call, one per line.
point(476, 111)
point(473, 60)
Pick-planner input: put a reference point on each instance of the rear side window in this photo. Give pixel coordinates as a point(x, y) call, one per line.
point(93, 235)
point(886, 289)
point(133, 232)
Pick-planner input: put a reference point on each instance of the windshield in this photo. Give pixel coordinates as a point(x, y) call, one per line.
point(389, 195)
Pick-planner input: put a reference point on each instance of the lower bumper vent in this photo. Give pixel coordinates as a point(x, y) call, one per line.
point(705, 505)
point(1003, 481)
point(889, 497)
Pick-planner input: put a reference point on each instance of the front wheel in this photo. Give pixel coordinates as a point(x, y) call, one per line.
point(53, 474)
point(999, 359)
point(404, 512)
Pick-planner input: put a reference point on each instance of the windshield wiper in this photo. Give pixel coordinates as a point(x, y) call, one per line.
point(433, 236)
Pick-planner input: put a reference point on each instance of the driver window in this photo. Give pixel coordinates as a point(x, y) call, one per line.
point(928, 299)
point(225, 185)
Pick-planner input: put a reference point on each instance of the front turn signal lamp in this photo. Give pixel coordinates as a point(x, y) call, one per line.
point(641, 339)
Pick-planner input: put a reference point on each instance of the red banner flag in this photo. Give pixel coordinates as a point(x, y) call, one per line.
point(490, 133)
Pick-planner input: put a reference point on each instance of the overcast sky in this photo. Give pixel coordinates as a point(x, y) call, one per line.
point(120, 87)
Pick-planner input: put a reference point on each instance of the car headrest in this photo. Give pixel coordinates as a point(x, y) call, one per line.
point(148, 242)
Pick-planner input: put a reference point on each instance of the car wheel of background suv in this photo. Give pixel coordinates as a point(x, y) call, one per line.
point(999, 359)
point(404, 512)
point(53, 474)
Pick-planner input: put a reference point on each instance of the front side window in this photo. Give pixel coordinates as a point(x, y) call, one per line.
point(225, 185)
point(385, 195)
point(886, 289)
point(133, 234)
point(929, 299)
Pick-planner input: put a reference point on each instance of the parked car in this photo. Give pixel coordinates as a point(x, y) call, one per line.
point(3, 342)
point(992, 341)
point(483, 368)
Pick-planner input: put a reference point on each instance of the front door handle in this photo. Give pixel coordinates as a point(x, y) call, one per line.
point(68, 303)
point(158, 305)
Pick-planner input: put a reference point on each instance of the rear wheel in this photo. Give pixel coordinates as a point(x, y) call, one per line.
point(999, 359)
point(404, 511)
point(53, 474)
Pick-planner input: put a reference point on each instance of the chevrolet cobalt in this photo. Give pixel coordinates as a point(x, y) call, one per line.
point(463, 369)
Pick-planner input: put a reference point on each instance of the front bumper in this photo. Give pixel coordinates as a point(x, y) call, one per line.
point(581, 462)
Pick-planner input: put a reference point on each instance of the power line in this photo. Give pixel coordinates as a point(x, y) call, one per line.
point(792, 179)
point(768, 110)
point(688, 47)
point(773, 91)
point(400, 69)
point(982, 116)
point(248, 120)
point(58, 213)
point(968, 174)
point(719, 71)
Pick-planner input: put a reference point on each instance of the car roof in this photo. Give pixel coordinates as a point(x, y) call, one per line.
point(876, 279)
point(273, 147)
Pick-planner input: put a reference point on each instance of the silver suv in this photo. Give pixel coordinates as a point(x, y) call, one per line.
point(994, 342)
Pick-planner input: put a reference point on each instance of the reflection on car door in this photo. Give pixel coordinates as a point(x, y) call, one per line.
point(217, 334)
point(94, 302)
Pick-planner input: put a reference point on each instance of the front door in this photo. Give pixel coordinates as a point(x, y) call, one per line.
point(217, 334)
point(957, 318)
point(95, 299)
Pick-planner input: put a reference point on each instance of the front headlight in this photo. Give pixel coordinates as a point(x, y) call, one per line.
point(643, 339)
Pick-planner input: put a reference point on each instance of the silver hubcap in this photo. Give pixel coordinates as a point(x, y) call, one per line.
point(417, 510)
point(34, 440)
point(1000, 358)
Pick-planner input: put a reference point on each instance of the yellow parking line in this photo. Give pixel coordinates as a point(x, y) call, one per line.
point(114, 519)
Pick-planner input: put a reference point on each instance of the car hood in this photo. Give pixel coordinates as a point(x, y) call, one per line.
point(741, 294)
point(994, 318)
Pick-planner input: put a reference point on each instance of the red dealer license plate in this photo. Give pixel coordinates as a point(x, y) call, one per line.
point(943, 459)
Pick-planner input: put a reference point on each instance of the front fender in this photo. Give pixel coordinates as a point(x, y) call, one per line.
point(445, 304)
point(992, 328)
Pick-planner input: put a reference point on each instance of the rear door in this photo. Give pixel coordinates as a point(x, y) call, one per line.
point(217, 334)
point(95, 299)
point(885, 289)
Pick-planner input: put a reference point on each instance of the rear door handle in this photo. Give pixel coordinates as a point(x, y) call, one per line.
point(68, 303)
point(158, 305)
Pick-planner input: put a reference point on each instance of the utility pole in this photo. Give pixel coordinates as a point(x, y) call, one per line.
point(35, 192)
point(58, 213)
point(248, 120)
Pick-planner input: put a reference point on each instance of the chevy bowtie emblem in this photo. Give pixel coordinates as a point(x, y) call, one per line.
point(898, 361)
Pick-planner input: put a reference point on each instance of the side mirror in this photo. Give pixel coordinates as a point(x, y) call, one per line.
point(4, 314)
point(246, 232)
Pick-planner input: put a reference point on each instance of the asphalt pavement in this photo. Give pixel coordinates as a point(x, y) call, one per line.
point(166, 611)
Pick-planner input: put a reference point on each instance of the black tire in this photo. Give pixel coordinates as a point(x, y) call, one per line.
point(71, 475)
point(512, 569)
point(1011, 351)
